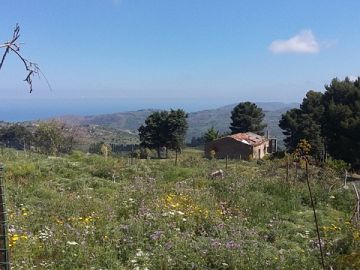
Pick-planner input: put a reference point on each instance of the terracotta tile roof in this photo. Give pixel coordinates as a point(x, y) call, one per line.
point(248, 138)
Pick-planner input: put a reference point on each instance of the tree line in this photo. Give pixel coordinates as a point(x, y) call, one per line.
point(329, 122)
point(167, 129)
point(51, 138)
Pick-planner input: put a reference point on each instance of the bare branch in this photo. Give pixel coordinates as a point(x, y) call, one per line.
point(30, 67)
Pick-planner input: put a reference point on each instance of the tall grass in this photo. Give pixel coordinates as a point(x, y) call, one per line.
point(86, 212)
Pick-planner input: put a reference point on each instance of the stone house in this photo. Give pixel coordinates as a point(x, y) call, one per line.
point(241, 146)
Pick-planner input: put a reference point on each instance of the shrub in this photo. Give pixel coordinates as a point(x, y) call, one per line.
point(337, 165)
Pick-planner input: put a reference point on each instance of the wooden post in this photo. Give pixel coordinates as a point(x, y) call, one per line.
point(315, 217)
point(4, 252)
point(226, 162)
point(132, 153)
point(346, 175)
point(357, 207)
point(176, 157)
point(287, 169)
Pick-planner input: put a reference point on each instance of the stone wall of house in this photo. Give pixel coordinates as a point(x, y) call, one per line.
point(261, 150)
point(231, 148)
point(228, 147)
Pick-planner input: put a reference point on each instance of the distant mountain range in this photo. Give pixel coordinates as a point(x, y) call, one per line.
point(199, 121)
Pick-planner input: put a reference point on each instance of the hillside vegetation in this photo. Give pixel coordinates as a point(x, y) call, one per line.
point(87, 212)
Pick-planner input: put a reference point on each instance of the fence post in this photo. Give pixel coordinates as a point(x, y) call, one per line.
point(4, 252)
point(346, 176)
point(132, 153)
point(287, 169)
point(226, 161)
point(176, 157)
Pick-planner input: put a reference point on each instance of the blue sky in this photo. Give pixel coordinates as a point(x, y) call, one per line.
point(216, 51)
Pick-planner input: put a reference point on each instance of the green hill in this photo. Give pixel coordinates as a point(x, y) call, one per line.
point(199, 121)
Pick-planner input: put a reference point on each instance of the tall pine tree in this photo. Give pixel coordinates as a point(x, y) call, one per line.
point(341, 120)
point(304, 123)
point(164, 129)
point(332, 118)
point(246, 116)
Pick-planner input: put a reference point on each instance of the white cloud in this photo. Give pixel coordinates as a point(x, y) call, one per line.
point(303, 42)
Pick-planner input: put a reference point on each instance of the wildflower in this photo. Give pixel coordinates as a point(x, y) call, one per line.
point(140, 253)
point(156, 235)
point(87, 219)
point(15, 237)
point(168, 245)
point(45, 234)
point(215, 243)
point(232, 245)
point(301, 235)
point(58, 221)
point(356, 235)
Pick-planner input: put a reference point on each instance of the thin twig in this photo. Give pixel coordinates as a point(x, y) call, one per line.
point(315, 217)
point(30, 67)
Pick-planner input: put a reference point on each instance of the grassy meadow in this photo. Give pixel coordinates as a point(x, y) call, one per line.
point(86, 212)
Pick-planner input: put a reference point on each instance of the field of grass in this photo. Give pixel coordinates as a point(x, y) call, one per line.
point(87, 212)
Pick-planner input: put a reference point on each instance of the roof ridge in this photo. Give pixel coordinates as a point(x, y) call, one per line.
point(249, 137)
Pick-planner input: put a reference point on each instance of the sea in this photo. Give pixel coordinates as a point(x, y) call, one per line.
point(19, 110)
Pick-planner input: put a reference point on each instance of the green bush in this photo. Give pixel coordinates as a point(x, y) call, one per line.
point(338, 165)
